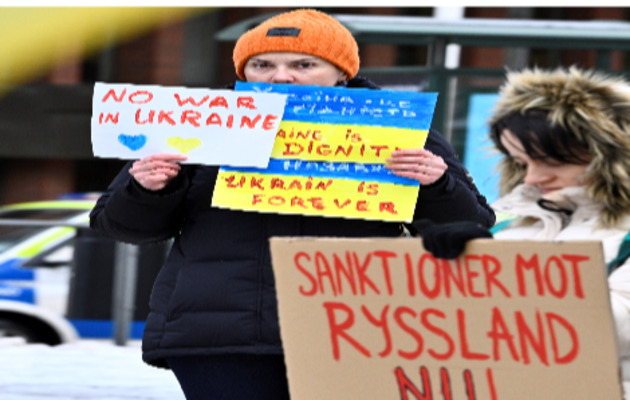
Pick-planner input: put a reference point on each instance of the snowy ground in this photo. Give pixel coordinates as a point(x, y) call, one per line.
point(85, 370)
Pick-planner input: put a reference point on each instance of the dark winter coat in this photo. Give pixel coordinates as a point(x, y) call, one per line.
point(215, 294)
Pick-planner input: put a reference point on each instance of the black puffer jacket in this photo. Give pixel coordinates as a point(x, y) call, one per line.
point(215, 294)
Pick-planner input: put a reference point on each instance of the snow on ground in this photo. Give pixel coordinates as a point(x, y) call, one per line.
point(85, 370)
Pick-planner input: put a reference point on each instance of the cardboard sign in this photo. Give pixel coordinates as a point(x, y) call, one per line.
point(330, 153)
point(209, 126)
point(383, 319)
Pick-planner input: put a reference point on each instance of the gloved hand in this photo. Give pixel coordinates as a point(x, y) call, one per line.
point(449, 239)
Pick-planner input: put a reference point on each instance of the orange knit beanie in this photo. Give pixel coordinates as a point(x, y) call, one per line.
point(302, 31)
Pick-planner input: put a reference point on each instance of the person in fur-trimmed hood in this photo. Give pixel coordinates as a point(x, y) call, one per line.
point(575, 117)
point(565, 174)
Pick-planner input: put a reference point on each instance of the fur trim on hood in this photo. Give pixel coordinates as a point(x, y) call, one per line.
point(591, 105)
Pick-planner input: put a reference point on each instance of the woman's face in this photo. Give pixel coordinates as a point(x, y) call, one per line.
point(294, 68)
point(547, 174)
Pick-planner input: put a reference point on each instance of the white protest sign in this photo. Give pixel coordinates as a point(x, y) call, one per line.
point(215, 127)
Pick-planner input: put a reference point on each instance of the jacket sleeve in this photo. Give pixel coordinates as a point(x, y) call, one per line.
point(129, 213)
point(619, 285)
point(454, 197)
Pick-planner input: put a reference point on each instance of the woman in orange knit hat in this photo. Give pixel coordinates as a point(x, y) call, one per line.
point(214, 317)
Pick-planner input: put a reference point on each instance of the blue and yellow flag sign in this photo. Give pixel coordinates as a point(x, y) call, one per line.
point(330, 152)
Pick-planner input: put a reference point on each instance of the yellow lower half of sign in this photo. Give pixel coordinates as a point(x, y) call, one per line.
point(330, 197)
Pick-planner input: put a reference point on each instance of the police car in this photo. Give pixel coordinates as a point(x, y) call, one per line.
point(56, 279)
point(35, 268)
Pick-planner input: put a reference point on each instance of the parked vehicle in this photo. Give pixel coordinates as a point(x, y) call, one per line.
point(56, 280)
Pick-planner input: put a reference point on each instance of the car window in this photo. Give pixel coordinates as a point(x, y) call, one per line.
point(10, 235)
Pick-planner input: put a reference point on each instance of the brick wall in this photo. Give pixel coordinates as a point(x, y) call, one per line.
point(28, 180)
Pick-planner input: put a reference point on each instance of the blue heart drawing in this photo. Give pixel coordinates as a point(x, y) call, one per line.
point(134, 142)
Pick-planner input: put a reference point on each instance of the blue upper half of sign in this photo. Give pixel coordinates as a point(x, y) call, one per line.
point(356, 106)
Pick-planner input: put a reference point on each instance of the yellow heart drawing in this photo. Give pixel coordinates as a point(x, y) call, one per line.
point(183, 145)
